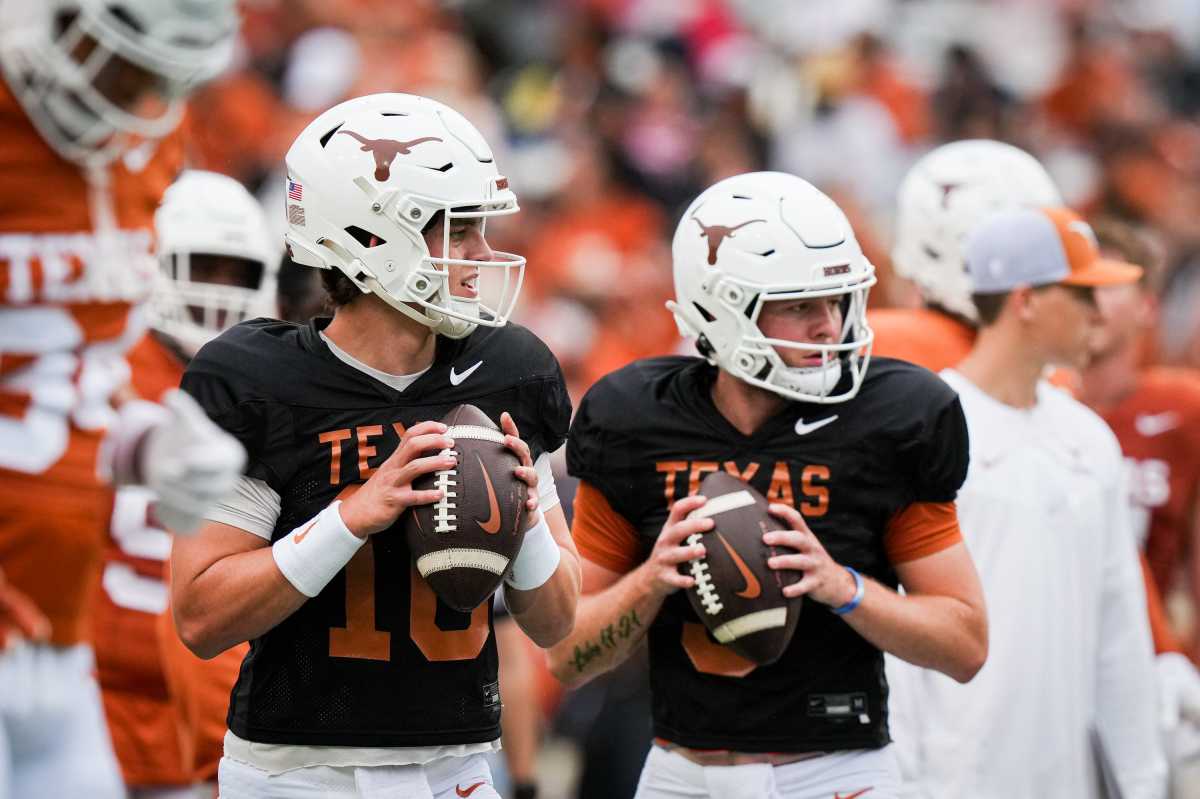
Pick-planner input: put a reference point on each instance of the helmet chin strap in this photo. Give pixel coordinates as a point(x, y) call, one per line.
point(440, 323)
point(811, 380)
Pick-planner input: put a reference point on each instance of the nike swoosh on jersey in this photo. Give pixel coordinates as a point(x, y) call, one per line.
point(492, 525)
point(803, 429)
point(301, 535)
point(854, 795)
point(470, 789)
point(752, 589)
point(458, 377)
point(1154, 424)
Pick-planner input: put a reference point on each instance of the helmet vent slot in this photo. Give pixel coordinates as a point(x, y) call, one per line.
point(740, 197)
point(325, 139)
point(766, 254)
point(703, 312)
point(365, 237)
point(446, 167)
point(392, 114)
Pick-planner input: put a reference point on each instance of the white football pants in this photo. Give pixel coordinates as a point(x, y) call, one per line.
point(448, 778)
point(54, 741)
point(866, 773)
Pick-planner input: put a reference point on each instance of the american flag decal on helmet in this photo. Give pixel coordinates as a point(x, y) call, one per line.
point(295, 191)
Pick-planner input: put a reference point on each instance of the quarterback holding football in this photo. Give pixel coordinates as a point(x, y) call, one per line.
point(860, 465)
point(360, 677)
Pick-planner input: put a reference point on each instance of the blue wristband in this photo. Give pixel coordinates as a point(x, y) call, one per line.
point(860, 588)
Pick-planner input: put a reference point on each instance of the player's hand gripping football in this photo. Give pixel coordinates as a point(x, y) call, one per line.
point(526, 472)
point(671, 548)
point(388, 492)
point(825, 580)
point(189, 462)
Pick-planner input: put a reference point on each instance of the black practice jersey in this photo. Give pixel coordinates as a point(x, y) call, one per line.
point(375, 659)
point(646, 435)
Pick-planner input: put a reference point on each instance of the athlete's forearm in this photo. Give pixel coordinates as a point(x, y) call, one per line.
point(608, 626)
point(936, 632)
point(232, 599)
point(547, 612)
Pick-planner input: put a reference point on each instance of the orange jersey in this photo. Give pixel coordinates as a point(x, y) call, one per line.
point(919, 335)
point(199, 692)
point(1158, 426)
point(141, 718)
point(75, 258)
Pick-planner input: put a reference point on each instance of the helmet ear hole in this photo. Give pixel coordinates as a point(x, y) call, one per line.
point(704, 347)
point(365, 237)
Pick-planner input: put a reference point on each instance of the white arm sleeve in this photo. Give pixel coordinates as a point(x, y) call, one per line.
point(253, 507)
point(547, 491)
point(1125, 699)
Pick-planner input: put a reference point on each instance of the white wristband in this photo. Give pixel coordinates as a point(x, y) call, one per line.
point(537, 560)
point(312, 554)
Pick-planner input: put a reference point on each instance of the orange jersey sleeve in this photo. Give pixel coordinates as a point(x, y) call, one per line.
point(918, 335)
point(603, 536)
point(920, 530)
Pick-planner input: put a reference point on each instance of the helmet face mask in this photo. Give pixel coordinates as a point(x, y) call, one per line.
point(97, 78)
point(365, 180)
point(943, 196)
point(801, 250)
point(218, 265)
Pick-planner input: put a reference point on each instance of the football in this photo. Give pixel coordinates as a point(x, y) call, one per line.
point(463, 544)
point(737, 595)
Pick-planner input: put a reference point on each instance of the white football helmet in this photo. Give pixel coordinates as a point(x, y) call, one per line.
point(208, 214)
point(97, 77)
point(761, 237)
point(368, 175)
point(944, 196)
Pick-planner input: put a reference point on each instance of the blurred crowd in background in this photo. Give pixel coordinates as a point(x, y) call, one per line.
point(609, 115)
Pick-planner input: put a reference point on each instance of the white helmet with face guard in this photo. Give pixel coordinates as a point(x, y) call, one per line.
point(97, 77)
point(762, 237)
point(947, 193)
point(206, 216)
point(368, 176)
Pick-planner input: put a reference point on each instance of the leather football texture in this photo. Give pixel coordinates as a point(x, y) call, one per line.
point(737, 595)
point(463, 544)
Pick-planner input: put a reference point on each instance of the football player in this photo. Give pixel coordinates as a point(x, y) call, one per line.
point(943, 196)
point(1044, 511)
point(1155, 414)
point(90, 92)
point(166, 707)
point(359, 682)
point(863, 466)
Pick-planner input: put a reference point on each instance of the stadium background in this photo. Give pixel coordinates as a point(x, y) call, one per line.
point(609, 115)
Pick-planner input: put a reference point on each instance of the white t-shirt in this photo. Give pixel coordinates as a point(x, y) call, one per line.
point(1044, 515)
point(254, 507)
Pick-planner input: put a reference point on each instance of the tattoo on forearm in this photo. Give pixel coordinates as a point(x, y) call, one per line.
point(621, 630)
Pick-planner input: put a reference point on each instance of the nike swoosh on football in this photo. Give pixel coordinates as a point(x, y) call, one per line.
point(752, 589)
point(854, 795)
point(803, 429)
point(470, 789)
point(1154, 424)
point(492, 525)
point(300, 535)
point(458, 377)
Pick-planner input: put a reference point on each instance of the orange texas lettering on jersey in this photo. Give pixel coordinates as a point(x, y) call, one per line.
point(358, 438)
point(810, 483)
